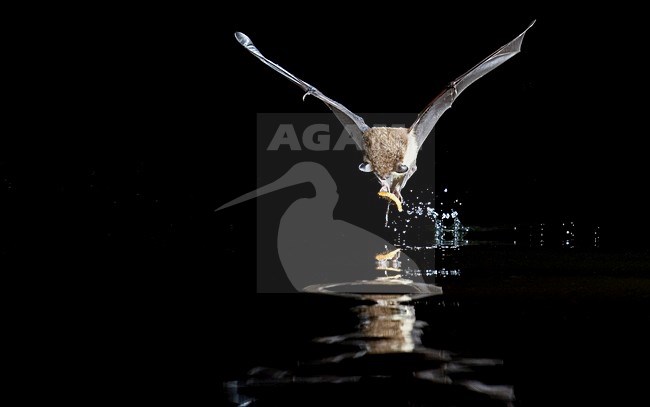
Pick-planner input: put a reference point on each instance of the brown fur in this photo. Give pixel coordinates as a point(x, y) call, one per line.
point(385, 148)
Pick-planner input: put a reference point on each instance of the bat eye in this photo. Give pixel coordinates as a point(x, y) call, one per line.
point(365, 167)
point(401, 169)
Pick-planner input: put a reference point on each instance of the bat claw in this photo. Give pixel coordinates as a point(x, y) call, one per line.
point(452, 85)
point(310, 91)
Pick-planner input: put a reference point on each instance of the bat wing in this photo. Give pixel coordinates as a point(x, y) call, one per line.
point(428, 118)
point(351, 122)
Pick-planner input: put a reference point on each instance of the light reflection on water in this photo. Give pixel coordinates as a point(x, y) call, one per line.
point(433, 221)
point(385, 360)
point(382, 362)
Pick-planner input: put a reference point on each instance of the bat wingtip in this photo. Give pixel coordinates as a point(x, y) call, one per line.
point(242, 38)
point(226, 205)
point(521, 36)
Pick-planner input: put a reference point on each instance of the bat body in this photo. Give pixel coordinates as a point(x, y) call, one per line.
point(391, 152)
point(385, 150)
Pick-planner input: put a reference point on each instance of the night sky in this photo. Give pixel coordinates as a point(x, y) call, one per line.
point(149, 123)
point(144, 123)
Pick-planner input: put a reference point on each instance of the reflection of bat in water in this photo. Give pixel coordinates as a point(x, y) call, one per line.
point(391, 152)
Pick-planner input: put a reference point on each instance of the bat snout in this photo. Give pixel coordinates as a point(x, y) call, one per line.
point(392, 184)
point(381, 177)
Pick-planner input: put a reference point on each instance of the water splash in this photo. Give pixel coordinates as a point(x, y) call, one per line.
point(536, 235)
point(596, 237)
point(429, 222)
point(567, 234)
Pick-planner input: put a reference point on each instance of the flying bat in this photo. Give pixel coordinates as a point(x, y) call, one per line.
point(391, 152)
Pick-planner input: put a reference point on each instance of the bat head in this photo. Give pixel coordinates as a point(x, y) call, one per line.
point(390, 153)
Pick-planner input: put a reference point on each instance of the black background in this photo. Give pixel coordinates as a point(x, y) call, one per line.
point(132, 126)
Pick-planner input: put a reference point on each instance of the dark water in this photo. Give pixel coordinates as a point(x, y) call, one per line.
point(501, 326)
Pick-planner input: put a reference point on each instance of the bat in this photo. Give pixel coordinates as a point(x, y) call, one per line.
point(391, 152)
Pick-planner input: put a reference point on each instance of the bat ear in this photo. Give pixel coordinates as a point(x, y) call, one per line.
point(365, 167)
point(401, 169)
